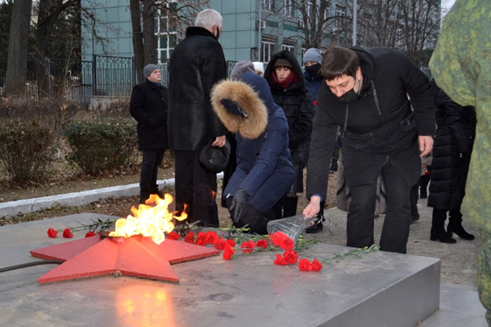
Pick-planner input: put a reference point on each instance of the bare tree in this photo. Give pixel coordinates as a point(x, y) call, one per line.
point(174, 17)
point(411, 26)
point(420, 20)
point(312, 17)
point(137, 37)
point(49, 11)
point(18, 47)
point(378, 23)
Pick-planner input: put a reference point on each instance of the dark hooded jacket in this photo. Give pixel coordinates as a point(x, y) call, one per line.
point(148, 105)
point(377, 127)
point(456, 130)
point(313, 84)
point(296, 104)
point(197, 63)
point(264, 169)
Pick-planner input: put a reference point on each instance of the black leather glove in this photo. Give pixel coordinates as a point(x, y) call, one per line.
point(238, 203)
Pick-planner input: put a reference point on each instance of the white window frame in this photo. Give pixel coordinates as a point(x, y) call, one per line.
point(268, 5)
point(288, 47)
point(289, 8)
point(161, 32)
point(267, 49)
point(340, 11)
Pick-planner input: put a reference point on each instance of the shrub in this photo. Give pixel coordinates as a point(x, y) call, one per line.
point(102, 144)
point(26, 150)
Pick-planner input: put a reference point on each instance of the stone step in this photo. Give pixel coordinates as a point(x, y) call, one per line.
point(459, 307)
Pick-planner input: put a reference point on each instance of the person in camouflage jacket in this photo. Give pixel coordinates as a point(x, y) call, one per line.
point(461, 65)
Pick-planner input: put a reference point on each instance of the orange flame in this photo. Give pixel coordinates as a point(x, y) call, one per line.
point(149, 221)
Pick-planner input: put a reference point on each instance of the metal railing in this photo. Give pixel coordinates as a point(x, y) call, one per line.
point(80, 80)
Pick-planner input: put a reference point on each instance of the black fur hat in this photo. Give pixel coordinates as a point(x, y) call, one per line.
point(215, 159)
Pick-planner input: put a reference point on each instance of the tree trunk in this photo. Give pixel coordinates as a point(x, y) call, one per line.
point(137, 38)
point(149, 39)
point(49, 12)
point(18, 47)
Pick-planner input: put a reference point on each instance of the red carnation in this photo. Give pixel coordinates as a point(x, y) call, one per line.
point(189, 238)
point(279, 260)
point(90, 234)
point(67, 233)
point(248, 247)
point(173, 236)
point(280, 239)
point(228, 253)
point(220, 244)
point(316, 265)
point(262, 243)
point(52, 233)
point(304, 265)
point(201, 239)
point(231, 242)
point(290, 257)
point(211, 237)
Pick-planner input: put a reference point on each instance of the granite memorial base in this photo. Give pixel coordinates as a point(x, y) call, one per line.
point(379, 289)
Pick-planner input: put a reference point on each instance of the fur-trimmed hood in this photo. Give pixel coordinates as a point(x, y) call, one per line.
point(244, 105)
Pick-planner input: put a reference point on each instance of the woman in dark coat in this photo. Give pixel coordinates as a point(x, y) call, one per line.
point(456, 129)
point(291, 94)
point(264, 170)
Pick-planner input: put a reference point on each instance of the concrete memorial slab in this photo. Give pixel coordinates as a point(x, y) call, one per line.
point(378, 289)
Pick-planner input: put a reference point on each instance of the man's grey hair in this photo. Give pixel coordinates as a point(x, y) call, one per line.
point(209, 18)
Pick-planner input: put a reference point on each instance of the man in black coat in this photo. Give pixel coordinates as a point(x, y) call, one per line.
point(365, 94)
point(148, 105)
point(196, 65)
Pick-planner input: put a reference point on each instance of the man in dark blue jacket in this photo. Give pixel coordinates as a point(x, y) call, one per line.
point(365, 94)
point(148, 105)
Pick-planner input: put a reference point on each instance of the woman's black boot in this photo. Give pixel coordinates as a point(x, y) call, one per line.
point(438, 232)
point(455, 226)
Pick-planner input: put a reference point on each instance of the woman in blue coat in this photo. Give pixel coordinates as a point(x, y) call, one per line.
point(264, 170)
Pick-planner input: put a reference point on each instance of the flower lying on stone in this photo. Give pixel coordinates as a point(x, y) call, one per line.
point(67, 233)
point(315, 265)
point(229, 238)
point(90, 234)
point(52, 233)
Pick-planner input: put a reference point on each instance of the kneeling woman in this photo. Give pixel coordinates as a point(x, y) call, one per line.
point(264, 170)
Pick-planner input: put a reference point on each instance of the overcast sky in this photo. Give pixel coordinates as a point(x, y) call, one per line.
point(446, 5)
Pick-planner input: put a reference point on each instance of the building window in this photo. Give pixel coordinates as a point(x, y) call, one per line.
point(289, 12)
point(290, 48)
point(166, 36)
point(327, 12)
point(267, 51)
point(340, 16)
point(268, 5)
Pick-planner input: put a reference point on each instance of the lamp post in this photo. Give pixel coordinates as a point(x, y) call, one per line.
point(259, 32)
point(355, 9)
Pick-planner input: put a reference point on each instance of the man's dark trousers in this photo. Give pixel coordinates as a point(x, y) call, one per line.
point(395, 230)
point(196, 188)
point(148, 173)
